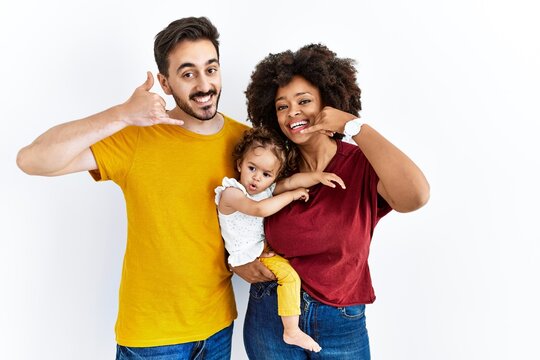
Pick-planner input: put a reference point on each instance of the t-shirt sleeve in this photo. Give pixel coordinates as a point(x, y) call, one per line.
point(225, 183)
point(380, 206)
point(114, 155)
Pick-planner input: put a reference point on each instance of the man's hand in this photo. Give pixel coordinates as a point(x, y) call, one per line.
point(255, 271)
point(145, 108)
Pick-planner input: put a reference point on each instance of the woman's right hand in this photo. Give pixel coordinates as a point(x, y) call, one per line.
point(329, 179)
point(329, 121)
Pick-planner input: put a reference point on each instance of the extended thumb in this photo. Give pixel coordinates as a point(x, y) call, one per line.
point(147, 85)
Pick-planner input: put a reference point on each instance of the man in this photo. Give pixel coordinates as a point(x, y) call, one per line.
point(176, 297)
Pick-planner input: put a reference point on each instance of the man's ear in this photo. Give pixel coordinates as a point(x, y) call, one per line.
point(164, 84)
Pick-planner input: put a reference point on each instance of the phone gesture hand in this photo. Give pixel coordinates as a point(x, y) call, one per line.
point(145, 108)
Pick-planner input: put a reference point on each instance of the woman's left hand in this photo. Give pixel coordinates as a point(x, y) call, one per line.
point(329, 121)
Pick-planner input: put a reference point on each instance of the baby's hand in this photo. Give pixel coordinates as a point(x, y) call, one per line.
point(329, 179)
point(300, 194)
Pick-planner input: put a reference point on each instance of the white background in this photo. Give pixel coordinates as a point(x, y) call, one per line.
point(454, 84)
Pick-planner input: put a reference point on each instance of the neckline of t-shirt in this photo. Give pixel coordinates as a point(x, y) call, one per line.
point(339, 150)
point(219, 134)
point(331, 164)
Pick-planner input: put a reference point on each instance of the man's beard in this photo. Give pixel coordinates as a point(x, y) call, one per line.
point(206, 115)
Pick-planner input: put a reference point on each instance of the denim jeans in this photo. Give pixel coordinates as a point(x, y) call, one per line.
point(216, 347)
point(340, 331)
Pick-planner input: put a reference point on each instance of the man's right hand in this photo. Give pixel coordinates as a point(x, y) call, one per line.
point(65, 148)
point(145, 108)
point(255, 271)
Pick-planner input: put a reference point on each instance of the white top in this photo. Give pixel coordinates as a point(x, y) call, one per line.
point(243, 234)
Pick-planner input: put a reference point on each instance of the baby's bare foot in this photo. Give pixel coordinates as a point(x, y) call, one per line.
point(299, 338)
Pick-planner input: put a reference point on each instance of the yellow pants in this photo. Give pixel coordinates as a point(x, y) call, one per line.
point(288, 291)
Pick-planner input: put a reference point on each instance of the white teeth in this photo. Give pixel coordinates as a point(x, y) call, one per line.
point(202, 100)
point(297, 124)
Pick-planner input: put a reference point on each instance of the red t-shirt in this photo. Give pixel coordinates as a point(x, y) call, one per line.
point(327, 239)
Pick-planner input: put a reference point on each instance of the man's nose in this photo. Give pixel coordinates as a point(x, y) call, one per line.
point(203, 84)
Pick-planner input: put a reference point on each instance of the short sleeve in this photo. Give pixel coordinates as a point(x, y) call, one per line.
point(114, 155)
point(225, 183)
point(270, 191)
point(380, 206)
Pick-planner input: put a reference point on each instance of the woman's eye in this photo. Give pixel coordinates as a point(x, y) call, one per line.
point(281, 107)
point(305, 101)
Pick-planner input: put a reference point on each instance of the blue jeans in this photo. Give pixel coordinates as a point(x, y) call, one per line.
point(216, 347)
point(341, 331)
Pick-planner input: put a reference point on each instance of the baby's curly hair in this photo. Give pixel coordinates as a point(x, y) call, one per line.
point(334, 77)
point(268, 139)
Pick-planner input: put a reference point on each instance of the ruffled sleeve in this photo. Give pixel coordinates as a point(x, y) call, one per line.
point(228, 182)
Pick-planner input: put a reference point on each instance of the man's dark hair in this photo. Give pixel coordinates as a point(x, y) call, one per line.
point(334, 77)
point(189, 28)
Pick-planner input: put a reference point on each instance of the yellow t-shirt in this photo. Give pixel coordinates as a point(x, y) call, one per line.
point(175, 285)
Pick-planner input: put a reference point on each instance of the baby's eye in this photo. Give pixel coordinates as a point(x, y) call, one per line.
point(267, 175)
point(251, 168)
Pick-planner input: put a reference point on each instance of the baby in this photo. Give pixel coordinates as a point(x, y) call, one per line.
point(242, 204)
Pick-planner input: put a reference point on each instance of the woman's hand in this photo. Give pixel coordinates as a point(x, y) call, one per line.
point(329, 179)
point(329, 121)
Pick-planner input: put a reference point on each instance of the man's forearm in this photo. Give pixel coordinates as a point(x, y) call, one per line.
point(59, 146)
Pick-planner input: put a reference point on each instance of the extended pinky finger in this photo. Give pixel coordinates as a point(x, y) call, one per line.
point(338, 180)
point(171, 121)
point(312, 129)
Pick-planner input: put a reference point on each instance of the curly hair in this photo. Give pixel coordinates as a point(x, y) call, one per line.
point(268, 139)
point(334, 77)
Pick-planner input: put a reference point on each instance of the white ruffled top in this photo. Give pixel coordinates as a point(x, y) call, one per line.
point(243, 234)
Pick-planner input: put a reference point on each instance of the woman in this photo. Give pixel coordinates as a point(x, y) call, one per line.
point(310, 97)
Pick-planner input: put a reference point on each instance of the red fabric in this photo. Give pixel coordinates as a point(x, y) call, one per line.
point(327, 239)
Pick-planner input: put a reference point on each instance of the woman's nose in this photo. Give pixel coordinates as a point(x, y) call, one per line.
point(294, 112)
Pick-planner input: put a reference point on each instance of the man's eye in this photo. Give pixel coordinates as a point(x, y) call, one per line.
point(188, 75)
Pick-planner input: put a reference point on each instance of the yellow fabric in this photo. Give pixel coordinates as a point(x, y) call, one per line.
point(175, 284)
point(288, 291)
